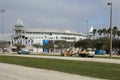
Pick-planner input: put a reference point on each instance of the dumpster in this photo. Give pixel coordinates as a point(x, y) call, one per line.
point(99, 52)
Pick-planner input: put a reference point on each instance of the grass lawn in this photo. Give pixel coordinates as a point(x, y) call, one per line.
point(97, 56)
point(92, 69)
point(103, 56)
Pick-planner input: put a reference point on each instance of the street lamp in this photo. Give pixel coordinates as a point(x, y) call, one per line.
point(87, 29)
point(2, 11)
point(110, 4)
point(3, 43)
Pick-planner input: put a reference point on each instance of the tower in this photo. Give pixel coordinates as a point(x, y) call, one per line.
point(91, 32)
point(19, 29)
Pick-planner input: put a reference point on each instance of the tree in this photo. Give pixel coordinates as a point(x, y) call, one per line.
point(118, 33)
point(100, 32)
point(19, 46)
point(63, 44)
point(86, 43)
point(104, 31)
point(114, 31)
point(99, 43)
point(3, 45)
point(116, 43)
point(37, 46)
point(94, 32)
point(102, 43)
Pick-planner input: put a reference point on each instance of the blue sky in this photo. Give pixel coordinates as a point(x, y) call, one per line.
point(59, 14)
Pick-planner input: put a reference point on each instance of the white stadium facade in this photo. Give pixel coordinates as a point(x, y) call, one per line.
point(29, 37)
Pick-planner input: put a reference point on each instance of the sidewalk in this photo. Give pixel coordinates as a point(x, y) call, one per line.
point(15, 72)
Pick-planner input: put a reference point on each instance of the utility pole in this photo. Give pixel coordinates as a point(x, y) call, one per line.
point(2, 11)
point(3, 42)
point(87, 30)
point(110, 4)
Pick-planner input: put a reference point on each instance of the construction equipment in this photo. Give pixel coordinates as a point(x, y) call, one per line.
point(69, 52)
point(86, 53)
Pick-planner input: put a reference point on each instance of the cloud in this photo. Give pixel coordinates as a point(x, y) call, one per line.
point(67, 14)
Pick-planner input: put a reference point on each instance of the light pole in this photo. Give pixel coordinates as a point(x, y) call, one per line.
point(2, 11)
point(3, 43)
point(87, 29)
point(110, 4)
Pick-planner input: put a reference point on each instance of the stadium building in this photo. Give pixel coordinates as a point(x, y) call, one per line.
point(29, 37)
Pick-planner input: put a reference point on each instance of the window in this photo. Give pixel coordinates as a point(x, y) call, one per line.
point(56, 37)
point(50, 33)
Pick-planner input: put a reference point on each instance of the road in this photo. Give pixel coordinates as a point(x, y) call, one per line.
point(15, 72)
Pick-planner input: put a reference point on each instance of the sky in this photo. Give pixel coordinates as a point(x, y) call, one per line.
point(74, 15)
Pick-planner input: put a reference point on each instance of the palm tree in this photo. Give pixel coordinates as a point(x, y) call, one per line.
point(100, 32)
point(37, 46)
point(19, 46)
point(3, 45)
point(108, 31)
point(115, 28)
point(118, 33)
point(104, 31)
point(94, 32)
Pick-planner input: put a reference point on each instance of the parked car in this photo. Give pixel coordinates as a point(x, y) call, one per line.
point(23, 52)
